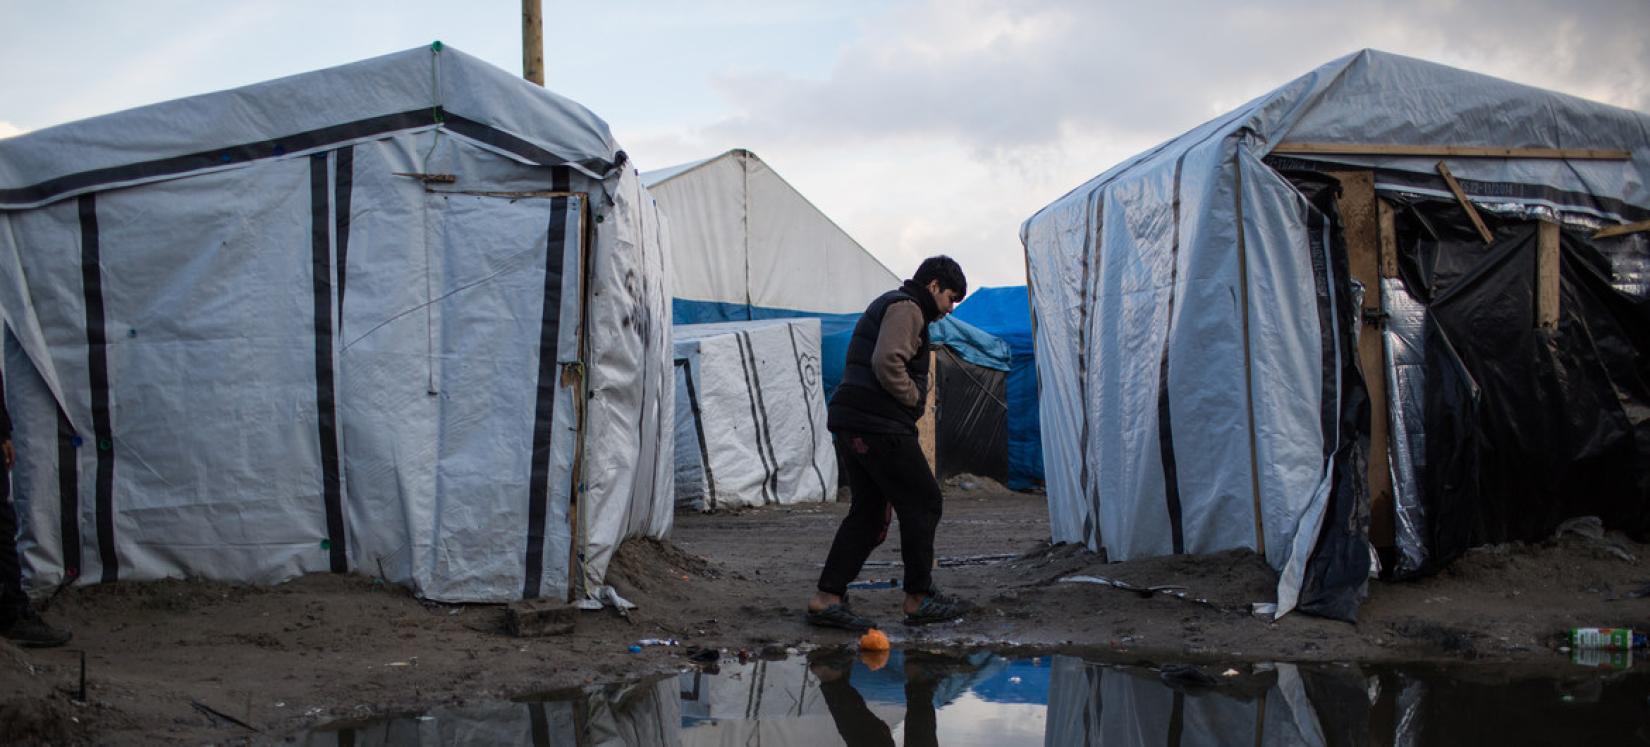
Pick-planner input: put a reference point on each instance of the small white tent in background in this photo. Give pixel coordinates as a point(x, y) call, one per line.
point(750, 415)
point(746, 245)
point(397, 317)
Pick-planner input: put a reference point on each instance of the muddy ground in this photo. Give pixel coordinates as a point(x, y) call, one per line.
point(186, 660)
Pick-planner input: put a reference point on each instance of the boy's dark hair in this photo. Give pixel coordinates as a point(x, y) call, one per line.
point(944, 269)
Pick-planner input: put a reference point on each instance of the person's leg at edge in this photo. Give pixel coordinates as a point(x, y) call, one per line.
point(14, 603)
point(856, 537)
point(18, 621)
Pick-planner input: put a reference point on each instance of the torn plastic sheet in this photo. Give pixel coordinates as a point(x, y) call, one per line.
point(1406, 378)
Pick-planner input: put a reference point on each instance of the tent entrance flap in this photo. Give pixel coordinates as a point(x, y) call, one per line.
point(468, 341)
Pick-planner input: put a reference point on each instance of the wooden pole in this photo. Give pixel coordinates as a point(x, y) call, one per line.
point(928, 437)
point(1361, 220)
point(1450, 151)
point(1605, 233)
point(532, 41)
point(1546, 276)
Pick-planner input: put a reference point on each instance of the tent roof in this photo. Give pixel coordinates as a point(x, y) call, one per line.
point(414, 89)
point(651, 178)
point(840, 242)
point(1378, 98)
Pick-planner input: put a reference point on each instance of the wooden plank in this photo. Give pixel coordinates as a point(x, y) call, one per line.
point(1360, 222)
point(1389, 239)
point(1546, 276)
point(1622, 230)
point(1450, 151)
point(1466, 204)
point(926, 434)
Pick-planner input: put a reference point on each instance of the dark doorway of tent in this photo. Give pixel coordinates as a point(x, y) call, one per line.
point(970, 418)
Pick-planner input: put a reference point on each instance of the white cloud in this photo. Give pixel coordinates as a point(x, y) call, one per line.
point(8, 129)
point(947, 123)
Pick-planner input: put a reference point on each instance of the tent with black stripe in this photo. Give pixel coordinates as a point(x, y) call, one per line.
point(1381, 314)
point(405, 317)
point(750, 415)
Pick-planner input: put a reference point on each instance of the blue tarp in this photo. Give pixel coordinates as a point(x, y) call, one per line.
point(1006, 313)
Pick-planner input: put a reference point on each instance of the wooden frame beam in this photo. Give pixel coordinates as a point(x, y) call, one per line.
point(1466, 204)
point(1450, 151)
point(1622, 230)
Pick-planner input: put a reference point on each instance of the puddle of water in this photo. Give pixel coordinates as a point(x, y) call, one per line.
point(913, 698)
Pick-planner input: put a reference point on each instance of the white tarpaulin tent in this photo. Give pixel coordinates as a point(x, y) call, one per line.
point(1195, 332)
point(396, 317)
point(750, 415)
point(746, 245)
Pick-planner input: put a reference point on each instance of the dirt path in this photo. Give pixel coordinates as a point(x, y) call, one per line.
point(162, 657)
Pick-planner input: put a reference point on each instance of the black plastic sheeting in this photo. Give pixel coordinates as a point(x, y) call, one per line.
point(1560, 425)
point(971, 418)
point(1337, 572)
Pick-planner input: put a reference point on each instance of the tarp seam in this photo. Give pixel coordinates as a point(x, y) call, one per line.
point(97, 363)
point(538, 498)
point(765, 426)
point(699, 430)
point(325, 391)
point(1165, 424)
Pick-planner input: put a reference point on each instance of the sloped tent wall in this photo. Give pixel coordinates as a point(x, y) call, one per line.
point(244, 344)
point(970, 406)
point(750, 415)
point(1006, 313)
point(1172, 424)
point(748, 246)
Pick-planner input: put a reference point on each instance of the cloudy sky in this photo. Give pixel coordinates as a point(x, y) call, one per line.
point(920, 126)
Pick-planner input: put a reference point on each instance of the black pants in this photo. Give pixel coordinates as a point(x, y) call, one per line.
point(883, 470)
point(12, 599)
point(857, 725)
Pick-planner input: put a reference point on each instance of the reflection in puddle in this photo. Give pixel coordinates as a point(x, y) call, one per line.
point(911, 698)
point(644, 713)
point(915, 698)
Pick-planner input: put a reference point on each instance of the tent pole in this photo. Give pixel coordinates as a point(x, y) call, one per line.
point(532, 41)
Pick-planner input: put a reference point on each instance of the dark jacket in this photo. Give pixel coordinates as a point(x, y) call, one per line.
point(861, 403)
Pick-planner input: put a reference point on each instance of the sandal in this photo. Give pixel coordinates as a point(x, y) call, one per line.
point(839, 616)
point(938, 608)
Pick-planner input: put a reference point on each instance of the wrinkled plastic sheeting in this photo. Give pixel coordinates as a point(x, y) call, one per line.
point(1629, 257)
point(971, 424)
point(1406, 374)
point(629, 456)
